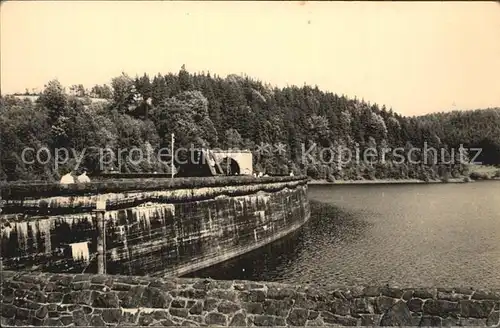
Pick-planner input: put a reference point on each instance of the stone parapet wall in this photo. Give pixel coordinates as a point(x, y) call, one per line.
point(99, 300)
point(24, 191)
point(86, 202)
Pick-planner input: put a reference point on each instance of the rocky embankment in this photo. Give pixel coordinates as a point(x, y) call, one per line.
point(98, 300)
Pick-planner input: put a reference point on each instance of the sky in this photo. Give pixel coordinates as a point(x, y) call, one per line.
point(416, 57)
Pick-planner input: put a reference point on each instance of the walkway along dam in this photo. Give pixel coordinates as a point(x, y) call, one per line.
point(109, 254)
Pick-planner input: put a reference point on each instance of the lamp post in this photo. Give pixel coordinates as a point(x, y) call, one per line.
point(101, 235)
point(173, 156)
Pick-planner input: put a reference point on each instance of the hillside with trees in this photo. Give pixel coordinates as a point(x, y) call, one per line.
point(472, 128)
point(206, 110)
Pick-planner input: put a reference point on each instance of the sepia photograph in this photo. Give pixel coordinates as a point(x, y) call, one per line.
point(250, 163)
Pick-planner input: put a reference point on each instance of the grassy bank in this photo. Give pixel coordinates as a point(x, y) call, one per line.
point(384, 181)
point(484, 172)
point(476, 172)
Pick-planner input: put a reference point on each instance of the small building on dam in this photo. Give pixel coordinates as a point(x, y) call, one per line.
point(214, 162)
point(235, 162)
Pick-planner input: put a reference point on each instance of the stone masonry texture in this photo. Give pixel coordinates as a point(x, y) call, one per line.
point(50, 299)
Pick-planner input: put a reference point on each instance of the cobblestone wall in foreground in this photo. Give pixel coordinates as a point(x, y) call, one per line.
point(96, 300)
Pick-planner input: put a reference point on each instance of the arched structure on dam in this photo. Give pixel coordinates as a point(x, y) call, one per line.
point(229, 166)
point(235, 161)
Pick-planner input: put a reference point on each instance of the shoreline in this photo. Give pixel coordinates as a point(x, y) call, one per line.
point(385, 181)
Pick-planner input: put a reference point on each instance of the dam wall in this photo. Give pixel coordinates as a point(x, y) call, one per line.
point(47, 299)
point(156, 227)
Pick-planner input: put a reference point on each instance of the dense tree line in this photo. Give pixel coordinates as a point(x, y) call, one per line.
point(473, 129)
point(294, 128)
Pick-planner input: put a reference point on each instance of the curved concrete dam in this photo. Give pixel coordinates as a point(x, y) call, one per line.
point(47, 299)
point(156, 227)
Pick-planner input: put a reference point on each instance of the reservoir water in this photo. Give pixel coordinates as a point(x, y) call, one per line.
point(406, 235)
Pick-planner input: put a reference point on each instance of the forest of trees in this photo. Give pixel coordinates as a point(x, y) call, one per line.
point(233, 112)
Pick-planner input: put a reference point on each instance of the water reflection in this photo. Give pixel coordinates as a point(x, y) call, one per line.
point(407, 235)
point(290, 258)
